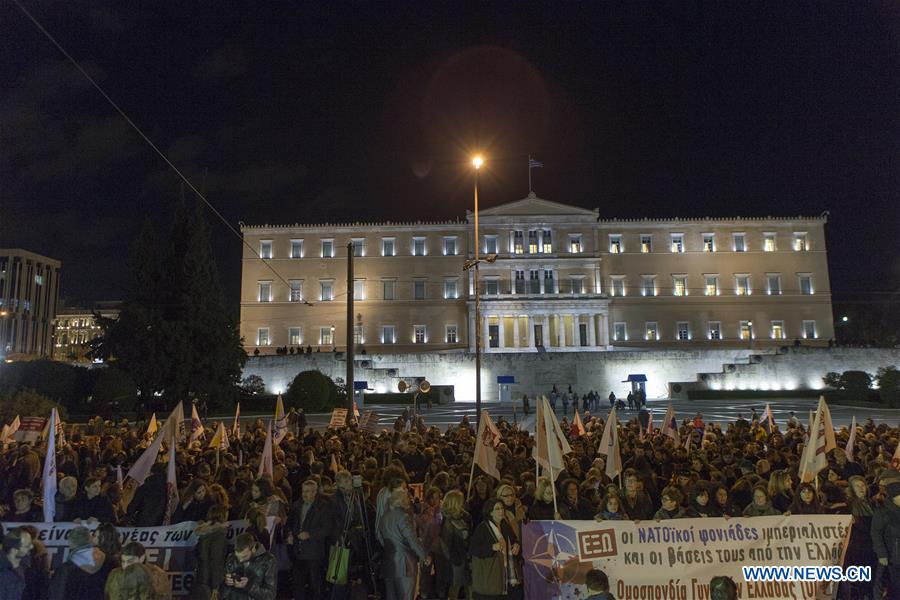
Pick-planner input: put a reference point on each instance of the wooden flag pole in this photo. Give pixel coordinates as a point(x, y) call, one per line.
point(552, 487)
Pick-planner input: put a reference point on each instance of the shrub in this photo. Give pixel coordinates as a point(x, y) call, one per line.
point(60, 382)
point(889, 385)
point(856, 382)
point(832, 379)
point(27, 403)
point(313, 391)
point(112, 385)
point(253, 385)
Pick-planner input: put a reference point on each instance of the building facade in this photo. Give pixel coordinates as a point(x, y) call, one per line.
point(564, 280)
point(29, 291)
point(75, 327)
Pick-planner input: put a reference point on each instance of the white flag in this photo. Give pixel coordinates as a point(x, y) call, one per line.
point(153, 426)
point(770, 418)
point(171, 484)
point(265, 461)
point(848, 450)
point(609, 445)
point(687, 442)
point(60, 433)
point(9, 430)
point(220, 439)
point(141, 467)
point(895, 460)
point(551, 444)
point(821, 440)
point(579, 425)
point(197, 428)
point(236, 428)
point(281, 424)
point(670, 424)
point(50, 473)
point(486, 446)
point(119, 479)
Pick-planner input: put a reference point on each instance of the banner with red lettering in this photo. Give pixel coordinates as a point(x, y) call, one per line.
point(677, 558)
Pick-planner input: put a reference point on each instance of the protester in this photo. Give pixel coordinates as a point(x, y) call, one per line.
point(596, 580)
point(24, 510)
point(455, 531)
point(17, 544)
point(210, 553)
point(83, 575)
point(250, 572)
point(95, 507)
point(402, 549)
point(493, 551)
point(309, 525)
point(136, 579)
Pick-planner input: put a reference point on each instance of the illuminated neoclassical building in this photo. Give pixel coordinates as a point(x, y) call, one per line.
point(564, 280)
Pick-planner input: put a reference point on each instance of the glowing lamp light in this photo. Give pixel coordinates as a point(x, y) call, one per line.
point(477, 161)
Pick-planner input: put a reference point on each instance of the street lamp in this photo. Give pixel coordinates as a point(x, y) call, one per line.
point(477, 162)
point(750, 335)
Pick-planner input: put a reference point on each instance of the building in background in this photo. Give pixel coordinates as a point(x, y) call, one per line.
point(75, 327)
point(564, 280)
point(29, 291)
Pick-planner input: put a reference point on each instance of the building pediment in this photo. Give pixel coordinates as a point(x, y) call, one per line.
point(532, 206)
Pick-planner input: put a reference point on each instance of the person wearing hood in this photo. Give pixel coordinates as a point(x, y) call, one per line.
point(761, 505)
point(83, 575)
point(210, 552)
point(671, 505)
point(700, 505)
point(250, 571)
point(806, 501)
point(17, 545)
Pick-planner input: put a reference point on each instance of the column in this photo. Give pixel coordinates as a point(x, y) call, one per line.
point(529, 323)
point(541, 279)
point(545, 330)
point(575, 341)
point(516, 324)
point(501, 332)
point(604, 329)
point(592, 337)
point(486, 334)
point(473, 335)
point(512, 281)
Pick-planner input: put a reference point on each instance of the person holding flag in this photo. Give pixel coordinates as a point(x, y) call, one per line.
point(609, 447)
point(49, 476)
point(171, 483)
point(486, 443)
point(670, 425)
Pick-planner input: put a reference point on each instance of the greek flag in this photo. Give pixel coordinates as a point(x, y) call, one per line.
point(534, 164)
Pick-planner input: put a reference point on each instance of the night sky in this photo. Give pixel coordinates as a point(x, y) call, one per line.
point(309, 111)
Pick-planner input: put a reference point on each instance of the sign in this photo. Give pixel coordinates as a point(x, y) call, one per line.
point(418, 491)
point(338, 418)
point(170, 547)
point(369, 422)
point(30, 429)
point(677, 558)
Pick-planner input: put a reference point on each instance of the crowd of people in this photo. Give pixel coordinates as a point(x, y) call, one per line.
point(402, 501)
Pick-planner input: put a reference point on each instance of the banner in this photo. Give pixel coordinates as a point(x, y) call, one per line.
point(677, 558)
point(30, 429)
point(338, 418)
point(369, 422)
point(170, 547)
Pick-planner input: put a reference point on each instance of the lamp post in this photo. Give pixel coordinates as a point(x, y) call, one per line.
point(750, 335)
point(477, 161)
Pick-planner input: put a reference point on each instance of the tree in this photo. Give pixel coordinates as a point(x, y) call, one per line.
point(889, 385)
point(27, 403)
point(253, 385)
point(312, 391)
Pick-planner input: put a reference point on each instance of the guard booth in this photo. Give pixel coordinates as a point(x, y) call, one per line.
point(638, 383)
point(359, 392)
point(504, 387)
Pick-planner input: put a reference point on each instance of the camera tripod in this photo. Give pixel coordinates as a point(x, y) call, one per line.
point(356, 508)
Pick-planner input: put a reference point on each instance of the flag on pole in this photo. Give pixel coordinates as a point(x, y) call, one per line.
point(770, 419)
point(141, 467)
point(848, 450)
point(281, 424)
point(171, 484)
point(534, 164)
point(355, 410)
point(265, 462)
point(220, 439)
point(670, 424)
point(650, 422)
point(153, 426)
point(687, 442)
point(50, 473)
point(551, 444)
point(486, 446)
point(236, 428)
point(895, 460)
point(119, 479)
point(578, 424)
point(197, 428)
point(60, 434)
point(609, 445)
point(821, 440)
point(9, 430)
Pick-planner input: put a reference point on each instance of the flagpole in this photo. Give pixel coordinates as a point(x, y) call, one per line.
point(529, 173)
point(553, 487)
point(471, 475)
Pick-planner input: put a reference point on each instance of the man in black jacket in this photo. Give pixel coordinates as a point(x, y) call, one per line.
point(250, 571)
point(309, 524)
point(16, 546)
point(148, 507)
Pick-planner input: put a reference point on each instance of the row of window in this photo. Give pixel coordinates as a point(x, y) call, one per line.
point(387, 335)
point(388, 290)
point(745, 331)
point(742, 285)
point(539, 241)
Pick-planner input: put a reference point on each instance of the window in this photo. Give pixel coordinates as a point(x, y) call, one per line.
point(620, 333)
point(327, 248)
point(493, 335)
point(679, 285)
point(294, 338)
point(617, 285)
point(419, 336)
point(518, 242)
point(388, 334)
point(490, 244)
point(547, 242)
point(358, 335)
point(533, 242)
point(615, 244)
point(39, 280)
point(577, 285)
point(388, 247)
point(419, 248)
point(677, 242)
point(359, 289)
point(648, 285)
point(582, 334)
point(262, 336)
point(534, 281)
point(419, 289)
point(451, 335)
point(806, 286)
point(712, 285)
point(296, 290)
point(359, 246)
point(296, 248)
point(769, 242)
point(773, 284)
point(646, 243)
point(801, 241)
point(777, 330)
point(740, 242)
point(651, 331)
point(714, 331)
point(746, 330)
point(519, 287)
point(449, 246)
point(265, 249)
point(492, 287)
point(683, 331)
point(327, 290)
point(387, 286)
point(742, 285)
point(575, 243)
point(549, 283)
point(809, 330)
point(265, 291)
point(326, 336)
point(450, 289)
point(709, 242)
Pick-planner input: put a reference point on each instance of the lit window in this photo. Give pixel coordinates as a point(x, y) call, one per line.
point(419, 246)
point(709, 242)
point(742, 285)
point(648, 285)
point(359, 247)
point(801, 242)
point(615, 244)
point(449, 246)
point(451, 335)
point(490, 244)
point(777, 330)
point(740, 242)
point(326, 336)
point(683, 331)
point(359, 289)
point(575, 244)
point(651, 331)
point(712, 285)
point(518, 242)
point(419, 336)
point(806, 286)
point(809, 330)
point(419, 289)
point(677, 242)
point(769, 242)
point(265, 249)
point(294, 338)
point(746, 330)
point(387, 247)
point(577, 285)
point(388, 334)
point(358, 335)
point(388, 289)
point(547, 242)
point(327, 248)
point(492, 287)
point(450, 289)
point(620, 333)
point(265, 291)
point(773, 284)
point(532, 242)
point(296, 248)
point(296, 286)
point(39, 280)
point(262, 336)
point(646, 243)
point(679, 285)
point(617, 286)
point(715, 330)
point(326, 291)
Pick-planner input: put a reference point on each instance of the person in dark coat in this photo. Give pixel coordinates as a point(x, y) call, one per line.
point(68, 500)
point(95, 507)
point(210, 552)
point(402, 549)
point(493, 552)
point(195, 502)
point(148, 507)
point(37, 567)
point(308, 527)
point(886, 537)
point(17, 546)
point(24, 510)
point(542, 508)
point(250, 572)
point(83, 575)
